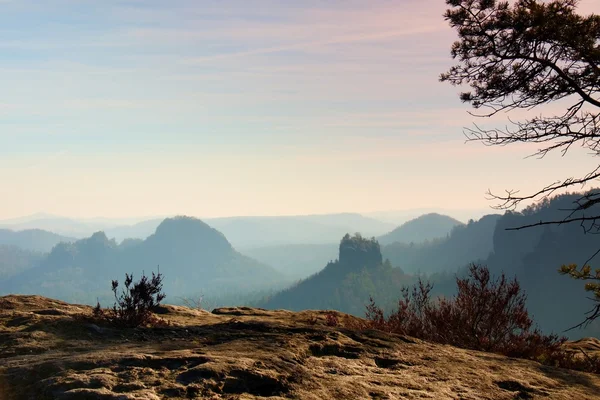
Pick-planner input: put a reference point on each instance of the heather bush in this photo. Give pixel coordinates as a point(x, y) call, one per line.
point(133, 306)
point(486, 314)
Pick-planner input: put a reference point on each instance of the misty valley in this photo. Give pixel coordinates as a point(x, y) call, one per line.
point(285, 265)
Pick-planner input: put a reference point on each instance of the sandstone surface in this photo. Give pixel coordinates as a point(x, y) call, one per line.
point(49, 351)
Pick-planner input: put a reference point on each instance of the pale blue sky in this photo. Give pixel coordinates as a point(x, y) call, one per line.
point(215, 108)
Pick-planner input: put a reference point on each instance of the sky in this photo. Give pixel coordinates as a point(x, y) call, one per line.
point(220, 108)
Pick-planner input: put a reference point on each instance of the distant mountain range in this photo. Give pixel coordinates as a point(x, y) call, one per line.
point(242, 232)
point(295, 260)
point(532, 255)
point(184, 246)
point(360, 271)
point(248, 232)
point(398, 217)
point(198, 259)
point(59, 225)
point(251, 232)
point(195, 259)
point(302, 260)
point(81, 228)
point(32, 239)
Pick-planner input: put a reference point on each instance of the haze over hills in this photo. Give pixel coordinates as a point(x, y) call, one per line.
point(298, 261)
point(32, 239)
point(464, 244)
point(426, 227)
point(346, 283)
point(248, 232)
point(56, 224)
point(535, 254)
point(242, 232)
point(14, 260)
point(99, 221)
point(532, 255)
point(302, 260)
point(398, 217)
point(139, 230)
point(81, 228)
point(23, 250)
point(198, 259)
point(194, 258)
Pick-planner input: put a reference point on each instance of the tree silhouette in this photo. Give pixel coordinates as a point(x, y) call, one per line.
point(525, 55)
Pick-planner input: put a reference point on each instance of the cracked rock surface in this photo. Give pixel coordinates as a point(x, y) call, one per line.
point(48, 351)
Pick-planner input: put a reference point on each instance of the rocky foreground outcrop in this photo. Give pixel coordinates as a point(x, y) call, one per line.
point(48, 351)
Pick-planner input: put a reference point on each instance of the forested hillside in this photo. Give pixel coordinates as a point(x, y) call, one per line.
point(193, 257)
point(346, 283)
point(535, 254)
point(464, 244)
point(15, 260)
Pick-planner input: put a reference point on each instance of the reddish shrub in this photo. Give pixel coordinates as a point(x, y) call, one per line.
point(486, 314)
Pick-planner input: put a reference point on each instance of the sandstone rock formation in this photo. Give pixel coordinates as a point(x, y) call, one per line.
point(49, 351)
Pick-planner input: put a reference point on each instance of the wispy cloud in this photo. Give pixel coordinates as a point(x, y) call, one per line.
point(346, 39)
point(300, 99)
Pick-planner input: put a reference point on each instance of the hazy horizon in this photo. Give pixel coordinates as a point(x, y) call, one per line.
point(372, 214)
point(272, 108)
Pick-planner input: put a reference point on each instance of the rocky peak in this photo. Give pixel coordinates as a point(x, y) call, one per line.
point(358, 252)
point(189, 231)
